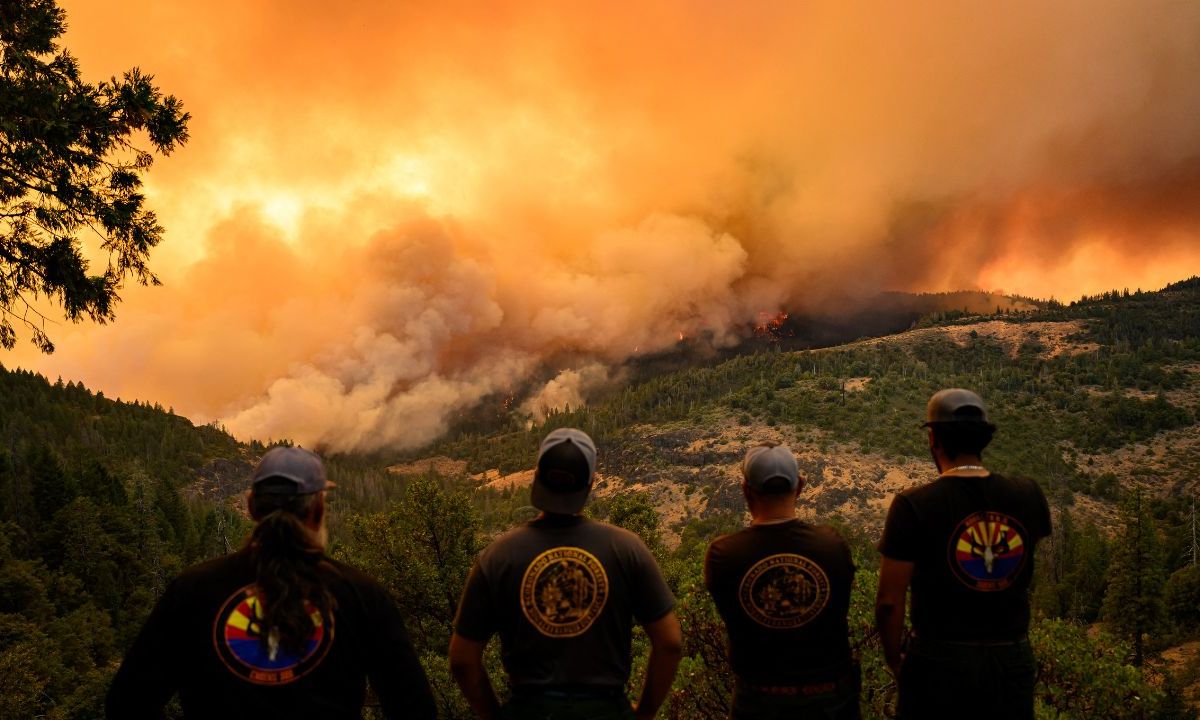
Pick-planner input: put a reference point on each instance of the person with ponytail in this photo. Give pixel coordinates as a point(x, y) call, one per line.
point(276, 629)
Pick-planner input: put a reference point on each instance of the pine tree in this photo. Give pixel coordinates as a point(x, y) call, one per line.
point(68, 168)
point(1133, 604)
point(52, 487)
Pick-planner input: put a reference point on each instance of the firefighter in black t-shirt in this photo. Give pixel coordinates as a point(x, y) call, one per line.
point(965, 544)
point(277, 629)
point(782, 587)
point(563, 593)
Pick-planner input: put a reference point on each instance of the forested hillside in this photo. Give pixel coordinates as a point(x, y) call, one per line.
point(1098, 400)
point(102, 502)
point(95, 519)
point(1071, 387)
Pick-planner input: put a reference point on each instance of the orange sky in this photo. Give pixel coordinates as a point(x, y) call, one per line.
point(388, 210)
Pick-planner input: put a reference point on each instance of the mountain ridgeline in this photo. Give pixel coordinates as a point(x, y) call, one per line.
point(102, 502)
point(96, 516)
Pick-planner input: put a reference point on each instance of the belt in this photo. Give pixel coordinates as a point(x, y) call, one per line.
point(846, 681)
point(917, 640)
point(792, 690)
point(570, 692)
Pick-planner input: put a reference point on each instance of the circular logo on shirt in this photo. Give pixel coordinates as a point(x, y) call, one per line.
point(563, 591)
point(987, 551)
point(237, 634)
point(783, 592)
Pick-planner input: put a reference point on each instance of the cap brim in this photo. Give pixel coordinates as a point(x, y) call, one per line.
point(543, 498)
point(273, 489)
point(759, 483)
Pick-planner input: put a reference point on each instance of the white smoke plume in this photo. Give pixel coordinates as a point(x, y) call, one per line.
point(392, 210)
point(569, 389)
point(438, 331)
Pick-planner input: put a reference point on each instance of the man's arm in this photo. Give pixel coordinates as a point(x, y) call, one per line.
point(666, 649)
point(894, 578)
point(144, 683)
point(395, 671)
point(466, 664)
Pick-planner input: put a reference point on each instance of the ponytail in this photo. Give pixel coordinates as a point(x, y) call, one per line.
point(285, 557)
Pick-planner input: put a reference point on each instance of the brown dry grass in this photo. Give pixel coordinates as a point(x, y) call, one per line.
point(1056, 338)
point(440, 464)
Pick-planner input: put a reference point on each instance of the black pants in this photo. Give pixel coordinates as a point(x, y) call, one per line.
point(977, 681)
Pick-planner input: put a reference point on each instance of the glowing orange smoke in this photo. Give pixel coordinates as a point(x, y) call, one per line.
point(389, 210)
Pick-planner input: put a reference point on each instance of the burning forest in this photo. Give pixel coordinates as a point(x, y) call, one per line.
point(420, 209)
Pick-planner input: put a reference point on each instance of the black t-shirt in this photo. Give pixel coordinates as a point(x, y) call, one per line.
point(563, 593)
point(783, 591)
point(201, 641)
point(971, 540)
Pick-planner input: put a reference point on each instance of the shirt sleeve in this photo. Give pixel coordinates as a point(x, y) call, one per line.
point(652, 599)
point(1043, 511)
point(476, 619)
point(900, 531)
point(848, 555)
point(716, 579)
point(144, 682)
point(395, 671)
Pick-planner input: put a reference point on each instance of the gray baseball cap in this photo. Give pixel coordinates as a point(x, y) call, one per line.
point(764, 462)
point(565, 468)
point(955, 405)
point(290, 471)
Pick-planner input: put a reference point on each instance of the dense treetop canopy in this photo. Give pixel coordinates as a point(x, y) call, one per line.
point(70, 170)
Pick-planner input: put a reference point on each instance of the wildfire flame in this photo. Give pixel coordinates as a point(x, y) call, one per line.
point(364, 301)
point(770, 324)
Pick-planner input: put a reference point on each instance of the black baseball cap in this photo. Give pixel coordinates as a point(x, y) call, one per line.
point(955, 405)
point(290, 471)
point(565, 467)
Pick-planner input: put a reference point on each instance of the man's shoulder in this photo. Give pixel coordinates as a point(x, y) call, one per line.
point(502, 547)
point(578, 527)
point(222, 567)
point(350, 574)
point(729, 541)
point(615, 532)
point(600, 535)
point(933, 489)
point(828, 534)
point(354, 589)
point(584, 532)
point(806, 535)
point(515, 534)
point(922, 491)
point(731, 537)
point(1027, 492)
point(1019, 482)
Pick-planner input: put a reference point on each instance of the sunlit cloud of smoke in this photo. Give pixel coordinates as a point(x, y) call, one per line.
point(389, 211)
